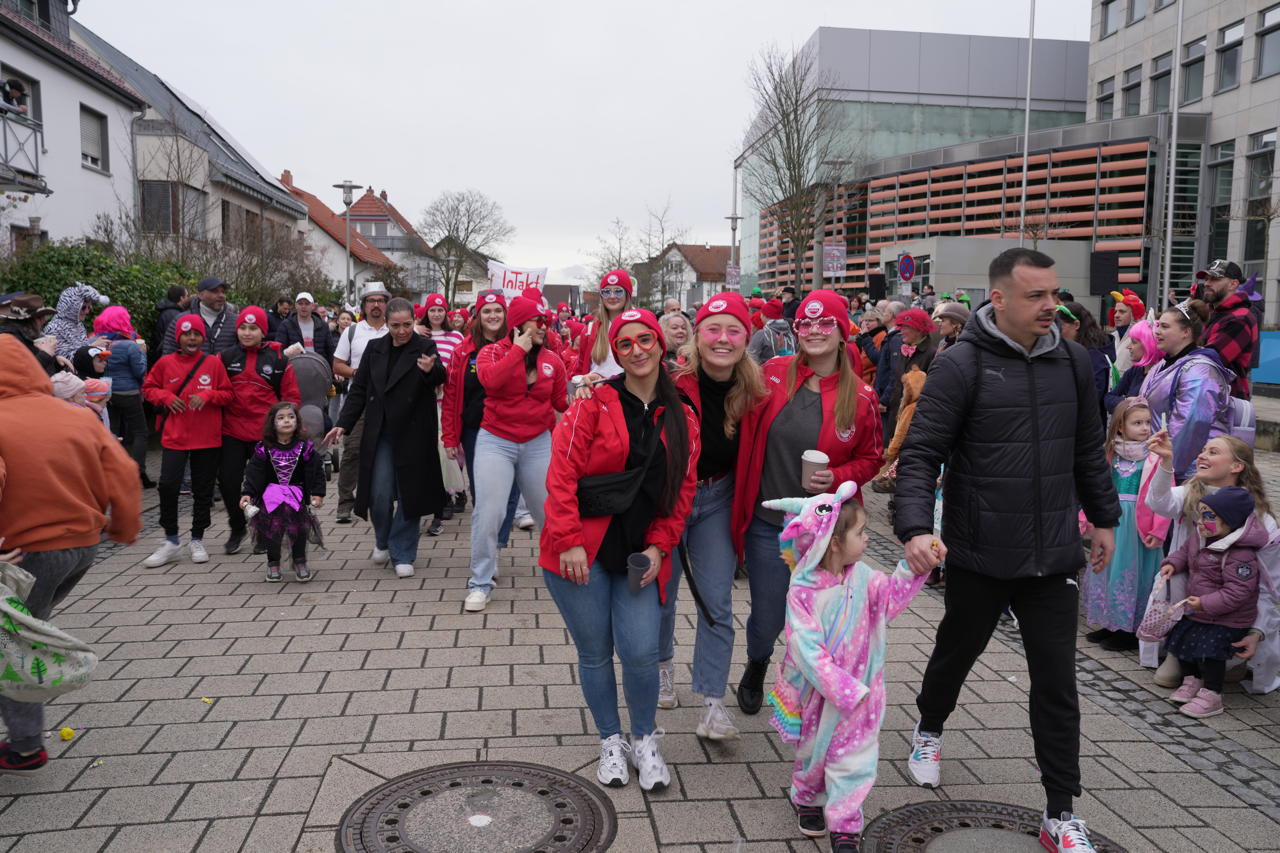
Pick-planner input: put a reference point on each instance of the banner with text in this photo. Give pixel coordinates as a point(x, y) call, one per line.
point(515, 280)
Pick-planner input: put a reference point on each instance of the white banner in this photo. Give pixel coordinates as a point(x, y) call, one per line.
point(513, 281)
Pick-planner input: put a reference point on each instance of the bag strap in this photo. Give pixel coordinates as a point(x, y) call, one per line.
point(196, 367)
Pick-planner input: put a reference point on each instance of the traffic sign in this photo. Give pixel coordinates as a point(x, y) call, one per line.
point(906, 267)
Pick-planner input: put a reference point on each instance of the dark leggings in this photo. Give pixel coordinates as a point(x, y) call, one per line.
point(129, 421)
point(235, 455)
point(1212, 671)
point(299, 551)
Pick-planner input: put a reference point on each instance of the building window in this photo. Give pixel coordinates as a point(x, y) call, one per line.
point(1230, 44)
point(93, 138)
point(380, 229)
point(1106, 99)
point(1110, 17)
point(158, 207)
point(1160, 4)
point(1160, 77)
point(1193, 71)
point(1131, 94)
point(1221, 171)
point(32, 98)
point(1260, 209)
point(1137, 10)
point(1268, 42)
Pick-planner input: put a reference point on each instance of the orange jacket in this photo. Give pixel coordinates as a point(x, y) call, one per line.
point(60, 468)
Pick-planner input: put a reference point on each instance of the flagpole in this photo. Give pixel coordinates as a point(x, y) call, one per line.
point(1175, 97)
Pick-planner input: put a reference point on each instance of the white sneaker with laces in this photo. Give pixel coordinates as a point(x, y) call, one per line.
point(404, 570)
point(1067, 835)
point(380, 557)
point(524, 522)
point(647, 760)
point(925, 763)
point(717, 723)
point(475, 601)
point(612, 769)
point(167, 553)
point(667, 684)
point(198, 552)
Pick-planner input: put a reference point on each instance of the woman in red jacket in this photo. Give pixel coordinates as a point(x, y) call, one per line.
point(633, 423)
point(524, 386)
point(816, 402)
point(190, 387)
point(595, 359)
point(260, 377)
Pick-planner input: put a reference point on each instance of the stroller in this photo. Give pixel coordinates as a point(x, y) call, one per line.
point(315, 380)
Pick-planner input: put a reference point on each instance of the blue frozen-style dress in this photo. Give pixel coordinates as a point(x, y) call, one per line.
point(1116, 597)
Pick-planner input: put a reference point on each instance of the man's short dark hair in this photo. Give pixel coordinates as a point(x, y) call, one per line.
point(1002, 267)
point(283, 300)
point(175, 293)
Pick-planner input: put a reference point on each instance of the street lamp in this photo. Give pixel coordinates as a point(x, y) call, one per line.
point(348, 188)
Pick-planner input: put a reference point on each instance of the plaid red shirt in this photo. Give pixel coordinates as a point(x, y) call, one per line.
point(1233, 331)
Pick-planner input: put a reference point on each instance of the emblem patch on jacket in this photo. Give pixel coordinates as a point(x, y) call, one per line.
point(1244, 571)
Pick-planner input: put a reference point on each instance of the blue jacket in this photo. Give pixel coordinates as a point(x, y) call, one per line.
point(127, 365)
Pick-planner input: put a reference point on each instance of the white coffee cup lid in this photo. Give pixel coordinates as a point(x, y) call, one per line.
point(815, 456)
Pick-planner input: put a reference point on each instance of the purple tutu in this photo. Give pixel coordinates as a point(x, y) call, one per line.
point(285, 521)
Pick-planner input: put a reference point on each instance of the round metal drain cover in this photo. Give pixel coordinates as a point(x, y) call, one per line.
point(480, 807)
point(962, 826)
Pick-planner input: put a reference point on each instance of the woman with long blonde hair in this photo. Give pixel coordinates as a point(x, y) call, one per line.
point(595, 359)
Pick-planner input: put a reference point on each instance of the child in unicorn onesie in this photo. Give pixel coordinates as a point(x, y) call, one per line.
point(829, 698)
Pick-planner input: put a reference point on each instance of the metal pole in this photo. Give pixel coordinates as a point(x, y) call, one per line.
point(350, 289)
point(1026, 136)
point(1175, 97)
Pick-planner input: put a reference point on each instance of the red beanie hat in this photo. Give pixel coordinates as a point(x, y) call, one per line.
point(189, 323)
point(725, 303)
point(617, 278)
point(419, 311)
point(773, 309)
point(634, 315)
point(492, 297)
point(252, 314)
point(756, 303)
point(916, 318)
point(563, 306)
point(460, 312)
point(435, 300)
point(825, 303)
point(521, 311)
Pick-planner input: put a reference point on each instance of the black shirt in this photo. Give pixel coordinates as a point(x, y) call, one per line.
point(394, 357)
point(472, 393)
point(626, 533)
point(719, 452)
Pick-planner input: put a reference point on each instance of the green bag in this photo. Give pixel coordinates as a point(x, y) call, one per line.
point(38, 661)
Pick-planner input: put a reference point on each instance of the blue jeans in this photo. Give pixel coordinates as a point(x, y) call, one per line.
point(391, 530)
point(56, 573)
point(706, 535)
point(499, 464)
point(769, 578)
point(603, 615)
point(469, 453)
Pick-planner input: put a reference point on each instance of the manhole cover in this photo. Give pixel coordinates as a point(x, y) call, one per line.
point(961, 826)
point(480, 807)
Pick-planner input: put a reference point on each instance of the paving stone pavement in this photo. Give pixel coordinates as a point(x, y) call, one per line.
point(229, 714)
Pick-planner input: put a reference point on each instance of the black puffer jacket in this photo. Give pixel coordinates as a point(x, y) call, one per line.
point(1022, 441)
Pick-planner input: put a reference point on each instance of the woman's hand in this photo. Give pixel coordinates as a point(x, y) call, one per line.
point(655, 564)
point(573, 565)
point(333, 436)
point(582, 385)
point(1193, 602)
point(1161, 445)
point(820, 481)
point(1248, 645)
point(452, 453)
point(426, 363)
point(317, 501)
point(524, 339)
point(1166, 571)
point(245, 500)
point(14, 556)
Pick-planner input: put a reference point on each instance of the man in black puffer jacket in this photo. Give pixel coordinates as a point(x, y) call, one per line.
point(1012, 411)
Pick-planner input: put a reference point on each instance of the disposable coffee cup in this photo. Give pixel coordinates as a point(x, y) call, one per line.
point(637, 565)
point(810, 462)
point(295, 349)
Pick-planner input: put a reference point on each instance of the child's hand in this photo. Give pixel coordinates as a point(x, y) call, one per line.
point(1193, 602)
point(245, 501)
point(176, 405)
point(1166, 571)
point(196, 402)
point(1151, 540)
point(317, 501)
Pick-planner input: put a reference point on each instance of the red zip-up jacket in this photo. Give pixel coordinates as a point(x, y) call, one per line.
point(455, 384)
point(253, 396)
point(855, 455)
point(188, 429)
point(514, 409)
point(593, 439)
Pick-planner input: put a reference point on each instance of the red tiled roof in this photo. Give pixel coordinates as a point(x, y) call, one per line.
point(371, 206)
point(333, 225)
point(74, 52)
point(707, 261)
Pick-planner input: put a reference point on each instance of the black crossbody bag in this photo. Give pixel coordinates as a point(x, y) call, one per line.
point(610, 494)
point(164, 411)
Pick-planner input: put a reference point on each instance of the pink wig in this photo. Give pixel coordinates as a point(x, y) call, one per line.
point(1140, 330)
point(114, 318)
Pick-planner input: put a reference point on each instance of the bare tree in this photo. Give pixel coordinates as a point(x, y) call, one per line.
point(618, 249)
point(472, 220)
point(656, 274)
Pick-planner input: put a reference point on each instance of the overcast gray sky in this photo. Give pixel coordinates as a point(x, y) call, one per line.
point(567, 112)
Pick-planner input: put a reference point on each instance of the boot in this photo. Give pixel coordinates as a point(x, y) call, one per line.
point(751, 687)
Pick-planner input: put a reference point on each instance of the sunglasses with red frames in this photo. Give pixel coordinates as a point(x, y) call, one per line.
point(539, 321)
point(824, 325)
point(645, 340)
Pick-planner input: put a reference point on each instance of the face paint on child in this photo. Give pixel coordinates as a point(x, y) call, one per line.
point(1209, 524)
point(286, 424)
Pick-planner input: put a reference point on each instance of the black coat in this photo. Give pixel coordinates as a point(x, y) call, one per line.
point(1022, 442)
point(401, 408)
point(219, 337)
point(290, 333)
point(308, 475)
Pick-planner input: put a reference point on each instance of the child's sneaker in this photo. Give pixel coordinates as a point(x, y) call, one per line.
point(925, 763)
point(667, 684)
point(844, 842)
point(1066, 835)
point(13, 764)
point(198, 552)
point(1205, 704)
point(301, 572)
point(167, 553)
point(273, 573)
point(810, 821)
point(645, 757)
point(612, 769)
point(1190, 687)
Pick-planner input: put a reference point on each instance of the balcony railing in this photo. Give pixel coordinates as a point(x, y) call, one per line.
point(21, 141)
point(393, 244)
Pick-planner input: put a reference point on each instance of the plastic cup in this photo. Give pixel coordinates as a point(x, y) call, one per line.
point(812, 461)
point(637, 565)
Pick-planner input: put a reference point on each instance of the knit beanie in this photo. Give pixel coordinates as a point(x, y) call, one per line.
point(725, 303)
point(773, 309)
point(493, 297)
point(254, 315)
point(634, 315)
point(66, 385)
point(521, 311)
point(1233, 505)
point(825, 303)
point(191, 323)
point(953, 311)
point(617, 278)
point(436, 300)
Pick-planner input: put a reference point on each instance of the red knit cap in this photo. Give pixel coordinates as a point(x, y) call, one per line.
point(460, 312)
point(634, 315)
point(493, 297)
point(916, 318)
point(436, 300)
point(189, 323)
point(617, 278)
point(521, 311)
point(725, 303)
point(419, 311)
point(252, 314)
point(563, 306)
point(773, 309)
point(756, 303)
point(825, 303)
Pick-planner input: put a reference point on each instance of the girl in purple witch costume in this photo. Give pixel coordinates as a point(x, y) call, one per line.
point(283, 479)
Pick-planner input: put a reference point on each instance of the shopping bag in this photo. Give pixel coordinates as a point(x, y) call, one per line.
point(1161, 614)
point(38, 661)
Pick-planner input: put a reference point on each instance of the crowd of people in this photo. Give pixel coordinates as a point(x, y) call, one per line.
point(654, 451)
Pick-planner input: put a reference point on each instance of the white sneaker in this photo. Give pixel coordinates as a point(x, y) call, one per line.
point(645, 757)
point(612, 769)
point(475, 601)
point(380, 557)
point(404, 570)
point(167, 553)
point(717, 723)
point(925, 763)
point(1067, 835)
point(198, 552)
point(524, 522)
point(667, 684)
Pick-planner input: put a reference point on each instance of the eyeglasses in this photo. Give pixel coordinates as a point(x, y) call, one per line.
point(824, 325)
point(540, 322)
point(612, 292)
point(736, 334)
point(375, 299)
point(1065, 310)
point(645, 340)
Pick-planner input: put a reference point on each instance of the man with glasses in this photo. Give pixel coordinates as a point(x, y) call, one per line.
point(1233, 328)
point(346, 360)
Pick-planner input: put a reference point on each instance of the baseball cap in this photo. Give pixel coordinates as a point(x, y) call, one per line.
point(211, 283)
point(1221, 269)
point(304, 296)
